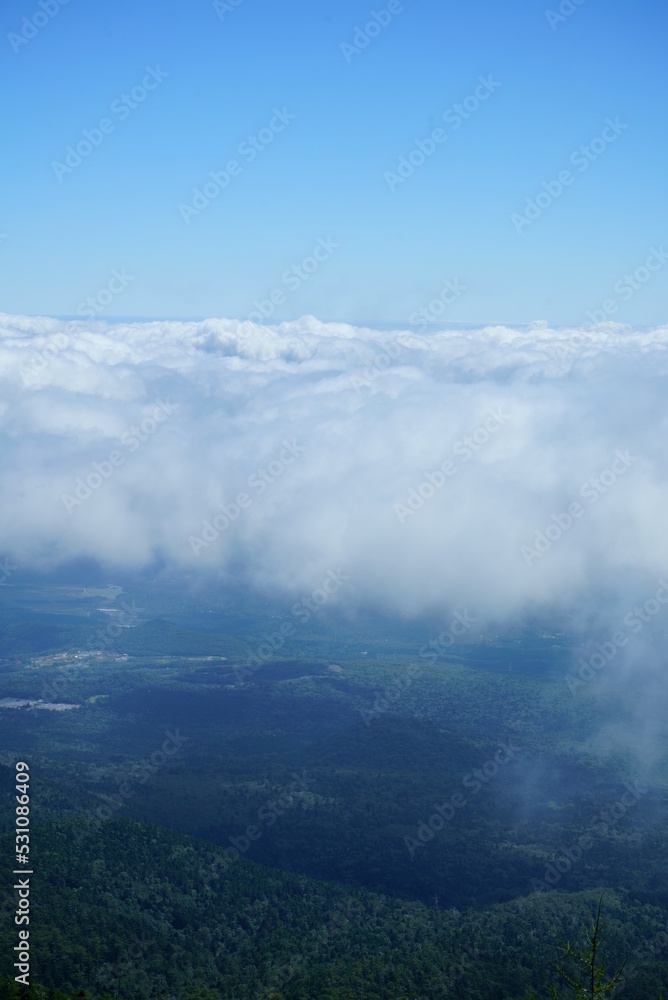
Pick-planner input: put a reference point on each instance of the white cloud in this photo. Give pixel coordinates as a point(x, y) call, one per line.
point(371, 430)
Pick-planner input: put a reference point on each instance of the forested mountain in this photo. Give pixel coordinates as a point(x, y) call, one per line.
point(146, 914)
point(337, 827)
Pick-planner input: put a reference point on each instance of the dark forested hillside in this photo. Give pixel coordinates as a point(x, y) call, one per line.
point(144, 914)
point(359, 828)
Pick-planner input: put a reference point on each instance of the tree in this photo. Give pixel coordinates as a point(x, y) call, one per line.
point(588, 980)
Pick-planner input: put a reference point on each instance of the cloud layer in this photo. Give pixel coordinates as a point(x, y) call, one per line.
point(495, 469)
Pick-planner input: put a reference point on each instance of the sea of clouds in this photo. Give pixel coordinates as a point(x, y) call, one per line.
point(498, 469)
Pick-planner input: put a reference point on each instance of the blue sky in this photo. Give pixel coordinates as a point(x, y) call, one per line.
point(325, 175)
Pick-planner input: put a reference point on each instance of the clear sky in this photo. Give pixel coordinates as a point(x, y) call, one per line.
point(330, 173)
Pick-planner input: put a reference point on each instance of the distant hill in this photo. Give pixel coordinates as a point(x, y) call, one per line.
point(30, 637)
point(390, 743)
point(161, 638)
point(154, 638)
